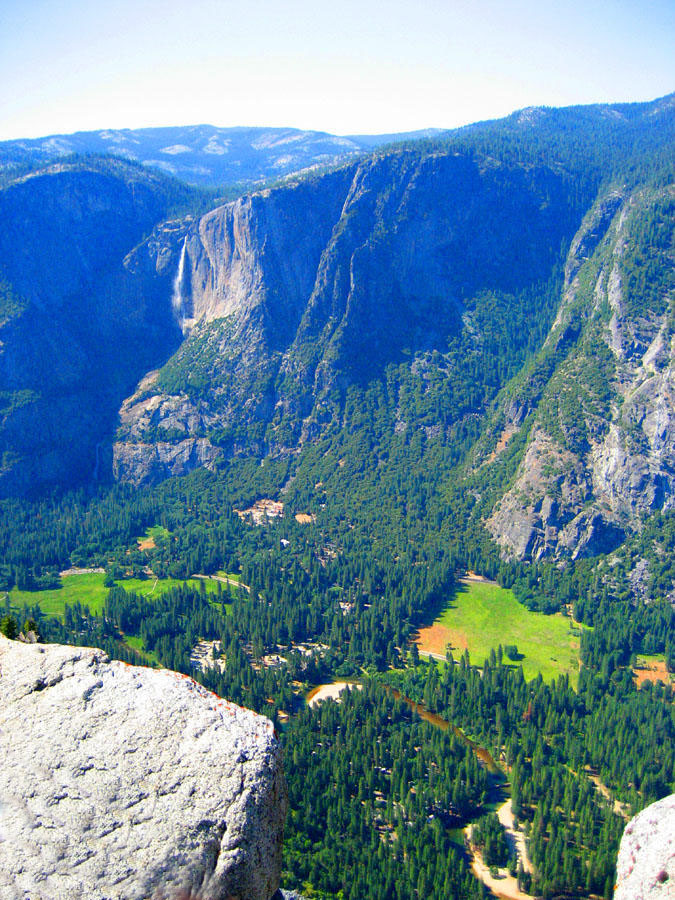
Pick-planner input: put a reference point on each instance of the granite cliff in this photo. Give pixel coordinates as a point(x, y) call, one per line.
point(131, 783)
point(601, 450)
point(290, 296)
point(508, 285)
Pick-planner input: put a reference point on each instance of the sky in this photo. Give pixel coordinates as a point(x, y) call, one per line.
point(346, 67)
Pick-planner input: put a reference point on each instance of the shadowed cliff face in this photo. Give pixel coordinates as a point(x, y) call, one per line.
point(601, 450)
point(292, 295)
point(417, 243)
point(76, 330)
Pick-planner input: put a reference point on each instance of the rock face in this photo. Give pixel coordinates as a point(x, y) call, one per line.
point(601, 451)
point(291, 295)
point(125, 783)
point(645, 868)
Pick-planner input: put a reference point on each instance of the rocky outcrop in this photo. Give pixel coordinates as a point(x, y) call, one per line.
point(601, 453)
point(125, 783)
point(645, 868)
point(136, 460)
point(151, 463)
point(547, 512)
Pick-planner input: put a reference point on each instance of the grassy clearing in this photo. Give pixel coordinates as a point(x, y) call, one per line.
point(149, 539)
point(135, 642)
point(481, 616)
point(153, 587)
point(646, 660)
point(89, 590)
point(652, 668)
point(231, 576)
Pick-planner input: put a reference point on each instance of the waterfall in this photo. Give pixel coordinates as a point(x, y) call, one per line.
point(177, 299)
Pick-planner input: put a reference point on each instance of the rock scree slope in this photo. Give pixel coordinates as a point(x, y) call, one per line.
point(126, 783)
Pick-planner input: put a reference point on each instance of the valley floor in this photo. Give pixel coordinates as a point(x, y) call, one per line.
point(481, 616)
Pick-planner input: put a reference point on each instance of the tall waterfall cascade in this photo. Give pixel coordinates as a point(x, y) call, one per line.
point(180, 303)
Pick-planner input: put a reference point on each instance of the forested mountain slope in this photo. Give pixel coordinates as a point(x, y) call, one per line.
point(76, 331)
point(531, 257)
point(201, 154)
point(599, 399)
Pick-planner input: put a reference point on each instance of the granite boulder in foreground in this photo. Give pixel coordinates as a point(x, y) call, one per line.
point(126, 783)
point(645, 868)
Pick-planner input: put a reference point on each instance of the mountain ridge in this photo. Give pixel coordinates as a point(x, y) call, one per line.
point(408, 261)
point(204, 155)
point(209, 155)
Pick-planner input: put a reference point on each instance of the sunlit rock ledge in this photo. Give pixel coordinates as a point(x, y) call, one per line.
point(127, 783)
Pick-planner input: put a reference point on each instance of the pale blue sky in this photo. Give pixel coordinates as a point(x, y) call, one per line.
point(351, 66)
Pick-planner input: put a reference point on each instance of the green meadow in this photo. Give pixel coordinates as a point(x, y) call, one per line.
point(481, 616)
point(135, 642)
point(89, 590)
point(152, 534)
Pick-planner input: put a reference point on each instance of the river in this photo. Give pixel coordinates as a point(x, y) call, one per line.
point(335, 688)
point(483, 755)
point(503, 885)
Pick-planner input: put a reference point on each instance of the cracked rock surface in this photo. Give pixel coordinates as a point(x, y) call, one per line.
point(645, 868)
point(125, 783)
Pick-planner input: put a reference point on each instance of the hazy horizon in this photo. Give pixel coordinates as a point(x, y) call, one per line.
point(291, 127)
point(364, 69)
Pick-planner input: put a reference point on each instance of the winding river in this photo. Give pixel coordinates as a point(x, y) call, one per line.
point(483, 755)
point(503, 885)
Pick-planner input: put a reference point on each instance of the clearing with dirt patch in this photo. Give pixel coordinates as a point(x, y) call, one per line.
point(481, 616)
point(652, 668)
point(330, 691)
point(504, 885)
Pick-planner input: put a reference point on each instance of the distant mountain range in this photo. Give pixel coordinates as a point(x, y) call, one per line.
point(500, 297)
point(202, 154)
